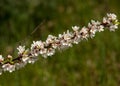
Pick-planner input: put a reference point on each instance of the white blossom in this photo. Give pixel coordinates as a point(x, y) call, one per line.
point(8, 67)
point(95, 23)
point(36, 47)
point(67, 35)
point(105, 20)
point(100, 28)
point(92, 28)
point(84, 33)
point(43, 51)
point(50, 39)
point(21, 49)
point(25, 58)
point(67, 39)
point(76, 39)
point(76, 36)
point(75, 28)
point(113, 27)
point(50, 52)
point(37, 44)
point(111, 16)
point(9, 56)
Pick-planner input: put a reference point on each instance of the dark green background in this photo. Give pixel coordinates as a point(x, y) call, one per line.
point(95, 62)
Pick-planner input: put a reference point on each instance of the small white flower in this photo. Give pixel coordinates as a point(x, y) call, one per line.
point(94, 23)
point(113, 27)
point(8, 67)
point(89, 25)
point(60, 36)
point(76, 37)
point(35, 52)
point(75, 28)
point(37, 44)
point(66, 39)
point(105, 20)
point(25, 58)
point(76, 40)
point(93, 29)
point(43, 51)
point(111, 16)
point(21, 49)
point(50, 39)
point(84, 33)
point(55, 45)
point(36, 48)
point(1, 58)
point(92, 32)
point(50, 52)
point(100, 28)
point(67, 35)
point(9, 56)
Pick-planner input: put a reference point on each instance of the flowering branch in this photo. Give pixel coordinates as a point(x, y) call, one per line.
point(52, 43)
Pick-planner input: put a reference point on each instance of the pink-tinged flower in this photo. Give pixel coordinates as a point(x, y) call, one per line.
point(76, 39)
point(1, 58)
point(8, 67)
point(84, 33)
point(36, 47)
point(37, 44)
point(67, 38)
point(50, 39)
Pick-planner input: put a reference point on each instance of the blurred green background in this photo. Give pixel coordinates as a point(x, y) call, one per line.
point(95, 62)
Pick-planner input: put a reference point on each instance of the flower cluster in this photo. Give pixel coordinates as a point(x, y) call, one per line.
point(48, 47)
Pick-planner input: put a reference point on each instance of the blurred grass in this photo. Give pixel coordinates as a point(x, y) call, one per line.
point(95, 62)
